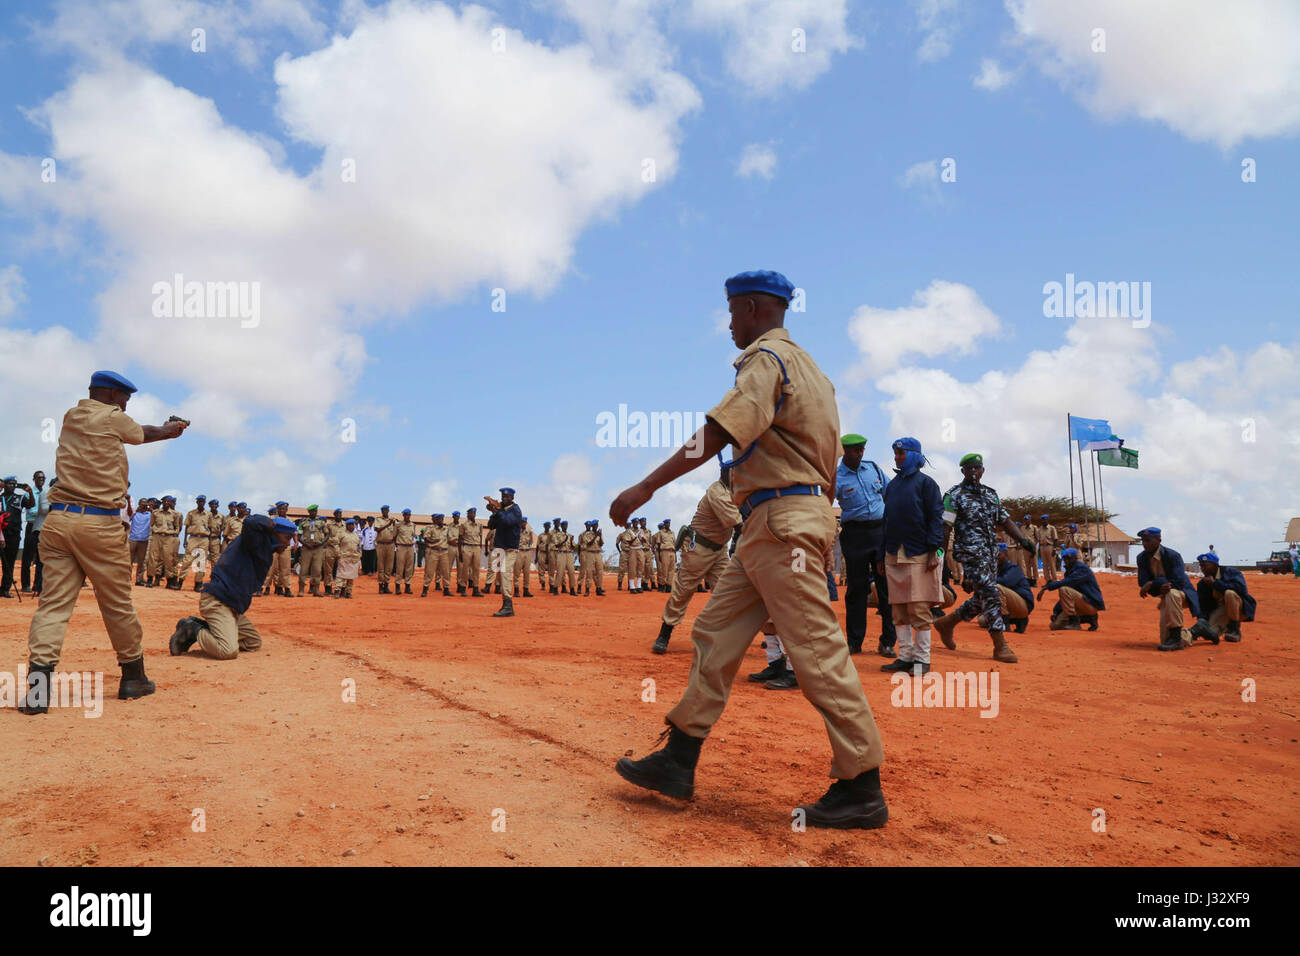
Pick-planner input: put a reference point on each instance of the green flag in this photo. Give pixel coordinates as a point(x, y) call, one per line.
point(1118, 457)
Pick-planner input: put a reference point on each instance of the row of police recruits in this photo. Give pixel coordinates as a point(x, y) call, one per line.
point(781, 421)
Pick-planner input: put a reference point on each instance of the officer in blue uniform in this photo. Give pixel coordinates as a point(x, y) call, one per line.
point(860, 487)
point(1161, 574)
point(1080, 595)
point(1225, 601)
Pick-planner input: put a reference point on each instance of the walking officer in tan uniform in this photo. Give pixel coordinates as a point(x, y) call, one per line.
point(404, 541)
point(781, 417)
point(437, 562)
point(704, 553)
point(84, 539)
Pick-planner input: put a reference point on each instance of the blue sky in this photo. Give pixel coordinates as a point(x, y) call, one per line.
point(924, 298)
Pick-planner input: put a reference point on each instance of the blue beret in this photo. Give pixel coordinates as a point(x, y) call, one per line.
point(11, 478)
point(214, 501)
point(282, 504)
point(507, 491)
point(1029, 517)
point(168, 497)
point(439, 514)
point(1002, 546)
point(338, 511)
point(406, 511)
point(1149, 533)
point(383, 507)
point(284, 524)
point(1044, 516)
point(350, 521)
point(1070, 553)
point(1074, 527)
point(763, 280)
point(556, 520)
point(200, 497)
point(455, 514)
point(111, 380)
point(241, 504)
point(525, 517)
point(1208, 556)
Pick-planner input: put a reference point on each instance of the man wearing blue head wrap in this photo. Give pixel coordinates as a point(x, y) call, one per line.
point(781, 419)
point(223, 629)
point(914, 535)
point(1224, 599)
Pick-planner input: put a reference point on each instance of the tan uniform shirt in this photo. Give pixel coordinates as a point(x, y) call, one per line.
point(196, 523)
point(624, 541)
point(798, 445)
point(348, 545)
point(471, 535)
point(405, 533)
point(716, 516)
point(385, 530)
point(434, 537)
point(231, 526)
point(664, 539)
point(589, 541)
point(526, 540)
point(164, 522)
point(91, 462)
point(335, 528)
point(313, 533)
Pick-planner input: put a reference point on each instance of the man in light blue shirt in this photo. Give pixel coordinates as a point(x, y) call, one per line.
point(859, 488)
point(31, 541)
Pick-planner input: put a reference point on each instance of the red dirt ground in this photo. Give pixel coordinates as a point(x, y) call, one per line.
point(461, 720)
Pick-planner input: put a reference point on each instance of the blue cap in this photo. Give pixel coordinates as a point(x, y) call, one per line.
point(1208, 556)
point(1070, 553)
point(383, 507)
point(1149, 533)
point(200, 497)
point(507, 491)
point(11, 478)
point(1044, 516)
point(525, 517)
point(282, 504)
point(455, 514)
point(439, 514)
point(763, 280)
point(1029, 517)
point(241, 504)
point(349, 521)
point(1074, 527)
point(1002, 546)
point(214, 501)
point(168, 497)
point(284, 524)
point(406, 511)
point(556, 520)
point(105, 379)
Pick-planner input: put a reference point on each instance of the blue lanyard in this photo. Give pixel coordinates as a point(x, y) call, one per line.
point(785, 382)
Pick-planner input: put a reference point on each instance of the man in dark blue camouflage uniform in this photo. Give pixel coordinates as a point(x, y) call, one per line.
point(975, 513)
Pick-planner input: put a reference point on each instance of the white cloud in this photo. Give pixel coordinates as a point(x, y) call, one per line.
point(937, 19)
point(439, 206)
point(944, 318)
point(442, 495)
point(992, 77)
point(923, 179)
point(1211, 71)
point(761, 43)
point(11, 290)
point(757, 159)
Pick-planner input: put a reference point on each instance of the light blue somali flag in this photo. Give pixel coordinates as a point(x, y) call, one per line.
point(1089, 429)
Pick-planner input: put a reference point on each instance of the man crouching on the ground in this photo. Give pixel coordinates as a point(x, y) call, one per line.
point(223, 630)
point(1225, 601)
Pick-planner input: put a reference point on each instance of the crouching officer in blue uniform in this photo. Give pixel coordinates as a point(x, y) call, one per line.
point(223, 629)
point(1224, 600)
point(1080, 595)
point(1161, 574)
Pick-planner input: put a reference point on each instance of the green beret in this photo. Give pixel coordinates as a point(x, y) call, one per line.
point(851, 440)
point(974, 458)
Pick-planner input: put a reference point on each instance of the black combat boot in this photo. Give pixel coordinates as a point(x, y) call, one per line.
point(553, 589)
point(772, 671)
point(661, 642)
point(198, 585)
point(408, 588)
point(620, 585)
point(383, 588)
point(670, 771)
point(857, 804)
point(527, 593)
point(186, 634)
point(37, 698)
point(1173, 640)
point(1089, 619)
point(897, 664)
point(787, 681)
point(1065, 622)
point(1233, 633)
point(600, 592)
point(507, 608)
point(446, 592)
point(1202, 629)
point(134, 682)
point(477, 593)
point(1020, 624)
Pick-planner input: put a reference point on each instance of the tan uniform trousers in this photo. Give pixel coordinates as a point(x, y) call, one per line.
point(1048, 553)
point(667, 567)
point(1228, 611)
point(701, 565)
point(589, 565)
point(624, 566)
point(523, 571)
point(467, 568)
point(543, 569)
point(329, 558)
point(311, 562)
point(1171, 613)
point(404, 569)
point(1028, 563)
point(1014, 606)
point(163, 555)
point(508, 562)
point(760, 584)
point(1072, 602)
point(227, 633)
point(75, 548)
point(386, 557)
point(282, 567)
point(565, 574)
point(437, 569)
point(195, 544)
